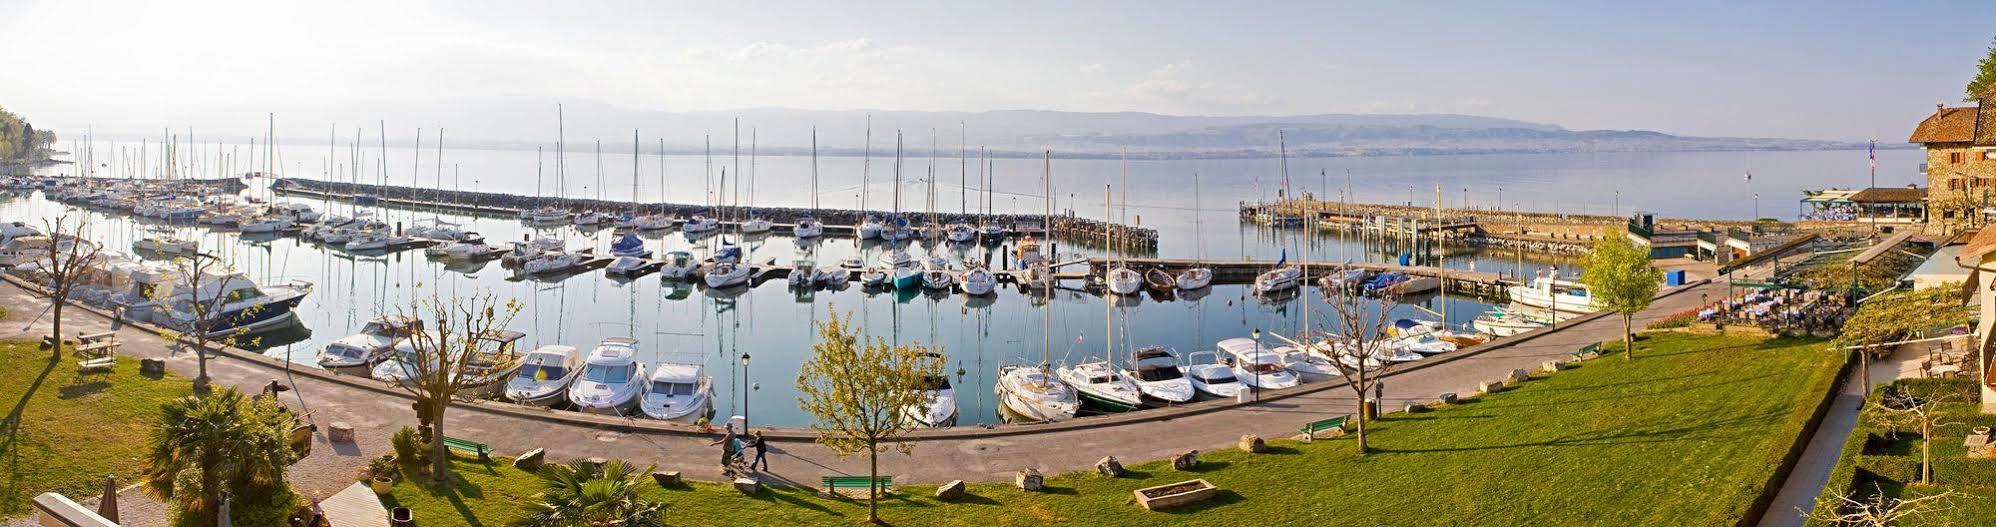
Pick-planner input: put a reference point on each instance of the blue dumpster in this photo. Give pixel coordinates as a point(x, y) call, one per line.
point(1673, 278)
point(1406, 259)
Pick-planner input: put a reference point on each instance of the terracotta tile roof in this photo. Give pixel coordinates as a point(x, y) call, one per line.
point(1947, 125)
point(1889, 195)
point(1983, 243)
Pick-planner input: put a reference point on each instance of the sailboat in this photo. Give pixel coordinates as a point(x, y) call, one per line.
point(756, 223)
point(267, 223)
point(1283, 277)
point(808, 226)
point(978, 281)
point(1120, 278)
point(592, 218)
point(705, 223)
point(1196, 277)
point(1028, 391)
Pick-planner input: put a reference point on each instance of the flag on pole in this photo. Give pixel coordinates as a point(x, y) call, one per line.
point(1872, 152)
point(1749, 175)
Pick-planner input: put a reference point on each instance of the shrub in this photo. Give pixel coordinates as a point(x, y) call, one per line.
point(409, 449)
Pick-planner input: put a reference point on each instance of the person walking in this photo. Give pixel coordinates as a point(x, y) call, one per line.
point(761, 452)
point(729, 449)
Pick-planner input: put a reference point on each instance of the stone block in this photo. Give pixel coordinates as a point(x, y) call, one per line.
point(1252, 444)
point(1517, 376)
point(1488, 387)
point(1591, 355)
point(1551, 366)
point(341, 432)
point(1414, 407)
point(531, 461)
point(1448, 398)
point(668, 478)
point(1186, 461)
point(594, 463)
point(1109, 466)
point(152, 366)
point(748, 485)
point(952, 490)
point(1029, 480)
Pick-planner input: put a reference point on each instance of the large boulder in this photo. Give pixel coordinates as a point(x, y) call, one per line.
point(1109, 466)
point(1488, 387)
point(1447, 398)
point(531, 461)
point(950, 491)
point(1551, 366)
point(1029, 480)
point(668, 478)
point(1517, 376)
point(1252, 444)
point(1186, 461)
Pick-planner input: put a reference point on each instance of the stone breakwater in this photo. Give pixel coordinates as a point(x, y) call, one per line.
point(1128, 236)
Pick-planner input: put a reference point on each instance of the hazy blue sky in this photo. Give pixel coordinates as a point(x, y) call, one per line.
point(1801, 69)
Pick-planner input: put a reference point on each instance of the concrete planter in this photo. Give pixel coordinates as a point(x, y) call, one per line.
point(1175, 495)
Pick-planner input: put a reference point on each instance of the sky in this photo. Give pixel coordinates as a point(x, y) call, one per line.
point(1815, 70)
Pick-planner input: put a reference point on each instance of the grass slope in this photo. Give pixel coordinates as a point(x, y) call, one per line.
point(64, 432)
point(1875, 460)
point(1687, 434)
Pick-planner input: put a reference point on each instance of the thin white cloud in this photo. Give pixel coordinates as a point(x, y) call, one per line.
point(1090, 68)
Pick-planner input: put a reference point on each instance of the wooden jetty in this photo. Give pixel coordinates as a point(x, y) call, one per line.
point(1244, 271)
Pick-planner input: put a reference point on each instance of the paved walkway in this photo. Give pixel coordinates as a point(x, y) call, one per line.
point(375, 416)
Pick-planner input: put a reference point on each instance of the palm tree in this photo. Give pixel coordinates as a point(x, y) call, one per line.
point(217, 443)
point(581, 495)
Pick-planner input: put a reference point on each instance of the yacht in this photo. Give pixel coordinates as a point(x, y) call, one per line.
point(553, 262)
point(1159, 376)
point(523, 252)
point(938, 408)
point(264, 224)
point(1212, 379)
point(485, 372)
point(1307, 367)
point(832, 277)
point(166, 244)
point(612, 380)
point(544, 376)
point(1100, 387)
point(803, 274)
point(472, 249)
point(629, 245)
point(236, 305)
point(1255, 366)
point(1278, 280)
point(1547, 291)
point(678, 265)
point(727, 274)
point(359, 352)
point(681, 393)
point(1031, 394)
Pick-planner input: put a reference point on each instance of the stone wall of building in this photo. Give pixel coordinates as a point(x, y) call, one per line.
point(1960, 181)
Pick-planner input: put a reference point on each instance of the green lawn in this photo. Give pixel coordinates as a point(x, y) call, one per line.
point(1874, 460)
point(1687, 434)
point(65, 432)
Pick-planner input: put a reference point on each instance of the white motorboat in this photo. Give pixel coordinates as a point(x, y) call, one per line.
point(1033, 395)
point(264, 225)
point(727, 274)
point(679, 392)
point(1278, 280)
point(1547, 291)
point(359, 352)
point(1159, 376)
point(832, 276)
point(803, 274)
point(628, 266)
point(808, 227)
point(1307, 366)
point(1101, 388)
point(978, 281)
point(164, 244)
point(612, 380)
point(1212, 379)
point(678, 265)
point(236, 306)
point(521, 253)
point(853, 262)
point(544, 376)
point(486, 371)
point(1195, 278)
point(1125, 281)
point(1422, 343)
point(938, 407)
point(1255, 366)
point(465, 250)
point(553, 262)
point(875, 277)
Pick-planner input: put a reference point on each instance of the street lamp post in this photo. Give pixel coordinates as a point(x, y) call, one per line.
point(745, 391)
point(1256, 334)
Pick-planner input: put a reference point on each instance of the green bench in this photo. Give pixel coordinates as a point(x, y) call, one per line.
point(1310, 429)
point(1590, 348)
point(833, 483)
point(484, 452)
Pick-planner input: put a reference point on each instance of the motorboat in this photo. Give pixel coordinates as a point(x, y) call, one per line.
point(544, 376)
point(553, 262)
point(16, 229)
point(960, 232)
point(487, 366)
point(906, 278)
point(978, 281)
point(679, 392)
point(1379, 352)
point(678, 265)
point(1028, 253)
point(360, 351)
point(938, 407)
point(1547, 291)
point(1255, 366)
point(700, 224)
point(1422, 343)
point(164, 244)
point(628, 266)
point(629, 245)
point(464, 250)
point(854, 263)
point(1159, 281)
point(808, 227)
point(296, 212)
point(1307, 366)
point(875, 277)
point(1031, 394)
point(1278, 280)
point(1101, 388)
point(727, 274)
point(1212, 379)
point(265, 224)
point(803, 274)
point(232, 305)
point(1195, 278)
point(612, 380)
point(1125, 281)
point(831, 276)
point(522, 252)
point(1159, 376)
point(376, 241)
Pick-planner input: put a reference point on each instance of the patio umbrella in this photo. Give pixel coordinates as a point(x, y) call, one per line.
point(108, 505)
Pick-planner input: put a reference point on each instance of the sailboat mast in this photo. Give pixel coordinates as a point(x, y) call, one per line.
point(866, 166)
point(560, 150)
point(814, 169)
point(962, 170)
point(1046, 352)
point(1108, 325)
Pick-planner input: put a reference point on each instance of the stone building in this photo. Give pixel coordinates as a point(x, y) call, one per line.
point(1961, 162)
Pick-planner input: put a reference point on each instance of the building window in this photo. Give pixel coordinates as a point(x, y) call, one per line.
point(1954, 157)
point(1954, 184)
point(1947, 214)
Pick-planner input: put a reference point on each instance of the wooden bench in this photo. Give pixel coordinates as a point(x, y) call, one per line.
point(1310, 429)
point(833, 483)
point(93, 337)
point(102, 364)
point(484, 452)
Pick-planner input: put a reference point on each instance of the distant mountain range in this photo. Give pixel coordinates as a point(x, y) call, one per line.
point(526, 122)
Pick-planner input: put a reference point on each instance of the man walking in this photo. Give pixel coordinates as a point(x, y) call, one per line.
point(761, 453)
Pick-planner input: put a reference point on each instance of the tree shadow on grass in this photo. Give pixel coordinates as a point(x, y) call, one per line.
point(1222, 498)
point(1707, 429)
point(1628, 394)
point(1206, 465)
point(454, 491)
point(799, 499)
point(11, 428)
point(79, 390)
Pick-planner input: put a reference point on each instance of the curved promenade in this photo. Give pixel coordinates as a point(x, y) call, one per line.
point(969, 453)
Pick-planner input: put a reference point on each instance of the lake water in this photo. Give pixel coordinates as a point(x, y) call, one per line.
point(774, 325)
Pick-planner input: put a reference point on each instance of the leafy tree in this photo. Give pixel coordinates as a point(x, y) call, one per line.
point(203, 278)
point(65, 268)
point(1985, 75)
point(454, 352)
point(1619, 277)
point(581, 495)
point(860, 396)
point(223, 442)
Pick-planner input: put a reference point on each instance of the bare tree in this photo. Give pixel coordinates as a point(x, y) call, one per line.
point(65, 268)
point(193, 302)
point(1360, 353)
point(463, 345)
point(1900, 408)
point(1876, 510)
